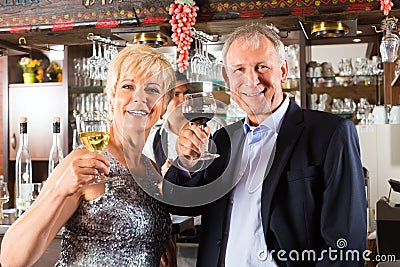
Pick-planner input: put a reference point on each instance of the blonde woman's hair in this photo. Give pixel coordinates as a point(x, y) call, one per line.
point(142, 61)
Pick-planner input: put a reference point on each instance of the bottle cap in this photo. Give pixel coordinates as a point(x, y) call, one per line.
point(56, 119)
point(23, 119)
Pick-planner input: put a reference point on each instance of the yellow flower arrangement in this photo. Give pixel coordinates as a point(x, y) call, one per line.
point(54, 71)
point(54, 68)
point(29, 65)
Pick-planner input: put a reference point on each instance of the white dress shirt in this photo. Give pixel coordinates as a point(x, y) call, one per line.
point(171, 143)
point(246, 244)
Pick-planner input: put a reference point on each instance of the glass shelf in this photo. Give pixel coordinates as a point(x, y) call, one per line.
point(350, 116)
point(85, 89)
point(345, 113)
point(344, 81)
point(34, 84)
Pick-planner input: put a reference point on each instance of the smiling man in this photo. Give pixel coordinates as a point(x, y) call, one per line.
point(296, 189)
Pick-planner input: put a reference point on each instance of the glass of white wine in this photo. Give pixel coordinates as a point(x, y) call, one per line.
point(4, 198)
point(94, 131)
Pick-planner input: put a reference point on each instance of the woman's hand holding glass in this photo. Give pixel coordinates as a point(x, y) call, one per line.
point(94, 131)
point(84, 169)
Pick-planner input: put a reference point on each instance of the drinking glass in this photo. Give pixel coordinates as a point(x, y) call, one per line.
point(77, 71)
point(94, 131)
point(4, 197)
point(199, 108)
point(345, 67)
point(389, 47)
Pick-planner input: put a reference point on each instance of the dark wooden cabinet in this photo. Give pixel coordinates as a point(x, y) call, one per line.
point(369, 87)
point(391, 84)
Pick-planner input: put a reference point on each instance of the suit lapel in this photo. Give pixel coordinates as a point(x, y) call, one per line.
point(236, 140)
point(290, 131)
point(237, 136)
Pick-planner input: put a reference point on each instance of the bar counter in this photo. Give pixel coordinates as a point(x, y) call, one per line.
point(52, 253)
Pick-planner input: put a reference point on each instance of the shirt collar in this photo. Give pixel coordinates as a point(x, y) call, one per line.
point(273, 122)
point(165, 126)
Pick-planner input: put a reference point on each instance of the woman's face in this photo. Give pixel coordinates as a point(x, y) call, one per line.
point(138, 102)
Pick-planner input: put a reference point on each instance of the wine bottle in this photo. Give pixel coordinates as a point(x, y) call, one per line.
point(23, 170)
point(56, 154)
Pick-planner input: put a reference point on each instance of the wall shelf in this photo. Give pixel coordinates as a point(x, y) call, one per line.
point(86, 89)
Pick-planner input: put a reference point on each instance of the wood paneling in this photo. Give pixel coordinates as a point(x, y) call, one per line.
point(63, 21)
point(391, 84)
point(64, 13)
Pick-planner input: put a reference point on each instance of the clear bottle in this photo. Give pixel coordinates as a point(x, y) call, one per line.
point(56, 154)
point(23, 170)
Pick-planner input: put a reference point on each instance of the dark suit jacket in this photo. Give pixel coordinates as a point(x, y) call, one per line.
point(312, 197)
point(160, 148)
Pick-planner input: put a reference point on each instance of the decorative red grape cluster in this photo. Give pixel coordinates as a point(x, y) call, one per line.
point(183, 18)
point(386, 6)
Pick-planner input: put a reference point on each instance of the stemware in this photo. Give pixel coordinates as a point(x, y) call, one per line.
point(195, 61)
point(199, 108)
point(390, 41)
point(389, 47)
point(94, 131)
point(77, 70)
point(4, 197)
point(91, 61)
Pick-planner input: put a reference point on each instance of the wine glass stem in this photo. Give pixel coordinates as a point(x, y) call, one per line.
point(204, 141)
point(204, 146)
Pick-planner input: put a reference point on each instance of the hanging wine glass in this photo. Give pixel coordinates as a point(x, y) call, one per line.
point(92, 60)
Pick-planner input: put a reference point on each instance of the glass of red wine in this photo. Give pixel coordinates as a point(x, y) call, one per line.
point(199, 108)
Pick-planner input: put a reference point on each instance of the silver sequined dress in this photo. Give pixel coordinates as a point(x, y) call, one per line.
point(123, 227)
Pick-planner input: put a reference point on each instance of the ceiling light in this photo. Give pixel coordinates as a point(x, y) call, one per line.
point(154, 40)
point(356, 40)
point(329, 29)
point(155, 36)
point(359, 31)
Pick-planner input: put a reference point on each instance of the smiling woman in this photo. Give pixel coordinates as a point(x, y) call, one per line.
point(115, 214)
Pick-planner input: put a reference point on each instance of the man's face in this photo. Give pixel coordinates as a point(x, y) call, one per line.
point(254, 76)
point(178, 98)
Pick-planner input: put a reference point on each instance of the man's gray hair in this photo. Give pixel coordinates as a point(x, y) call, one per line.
point(251, 33)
